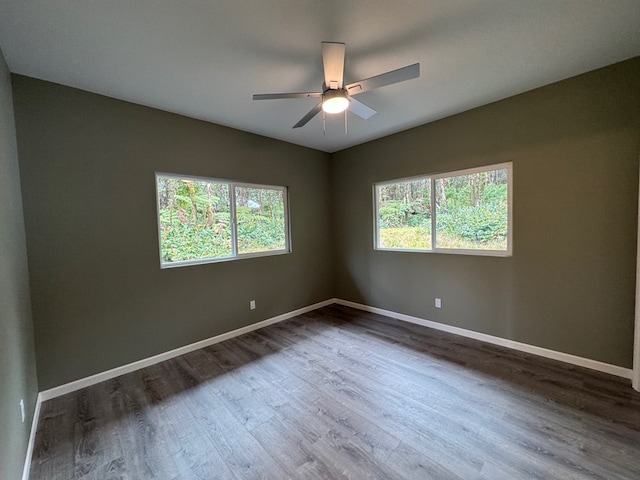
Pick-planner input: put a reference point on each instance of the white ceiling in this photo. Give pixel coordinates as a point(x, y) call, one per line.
point(205, 59)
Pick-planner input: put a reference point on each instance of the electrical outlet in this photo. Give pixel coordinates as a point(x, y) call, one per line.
point(252, 304)
point(22, 408)
point(438, 303)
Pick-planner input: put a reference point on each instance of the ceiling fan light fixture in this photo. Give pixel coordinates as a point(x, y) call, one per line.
point(335, 101)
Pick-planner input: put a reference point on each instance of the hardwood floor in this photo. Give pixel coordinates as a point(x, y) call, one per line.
point(339, 393)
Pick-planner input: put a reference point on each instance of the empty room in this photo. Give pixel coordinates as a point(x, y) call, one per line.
point(319, 240)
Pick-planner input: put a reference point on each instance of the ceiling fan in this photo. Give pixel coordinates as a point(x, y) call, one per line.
point(335, 96)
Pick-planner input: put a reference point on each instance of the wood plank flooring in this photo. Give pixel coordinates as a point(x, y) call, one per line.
point(343, 394)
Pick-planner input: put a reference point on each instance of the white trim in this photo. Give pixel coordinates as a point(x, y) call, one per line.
point(32, 438)
point(232, 185)
point(523, 347)
point(145, 362)
point(131, 367)
point(432, 179)
point(448, 173)
point(449, 251)
point(635, 377)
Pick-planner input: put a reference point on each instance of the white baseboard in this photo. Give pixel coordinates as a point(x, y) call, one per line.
point(131, 367)
point(146, 362)
point(32, 438)
point(523, 347)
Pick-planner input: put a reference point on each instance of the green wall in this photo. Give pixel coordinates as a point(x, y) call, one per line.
point(17, 356)
point(100, 299)
point(570, 283)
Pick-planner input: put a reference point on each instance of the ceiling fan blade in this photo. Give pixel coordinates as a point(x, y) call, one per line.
point(274, 96)
point(333, 61)
point(360, 109)
point(312, 113)
point(384, 79)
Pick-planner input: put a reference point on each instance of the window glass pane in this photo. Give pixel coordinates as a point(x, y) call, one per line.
point(261, 217)
point(472, 211)
point(194, 219)
point(404, 215)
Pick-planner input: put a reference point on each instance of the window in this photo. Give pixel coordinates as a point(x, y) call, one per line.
point(468, 211)
point(204, 220)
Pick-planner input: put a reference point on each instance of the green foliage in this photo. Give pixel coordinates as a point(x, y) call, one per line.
point(495, 193)
point(418, 238)
point(260, 231)
point(471, 212)
point(482, 223)
point(479, 220)
point(457, 197)
point(405, 204)
point(400, 214)
point(183, 241)
point(195, 219)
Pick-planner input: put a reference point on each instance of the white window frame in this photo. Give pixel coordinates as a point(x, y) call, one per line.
point(432, 178)
point(234, 223)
